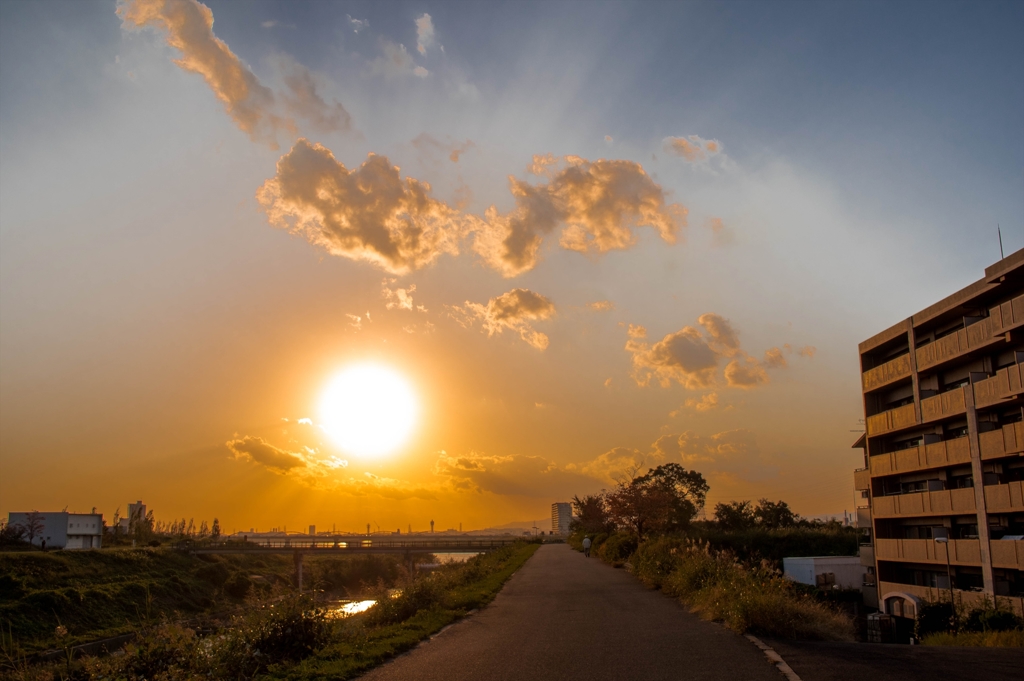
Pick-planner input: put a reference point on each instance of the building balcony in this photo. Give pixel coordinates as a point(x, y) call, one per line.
point(1003, 498)
point(1007, 554)
point(961, 551)
point(864, 517)
point(950, 403)
point(893, 419)
point(935, 455)
point(964, 599)
point(862, 479)
point(1005, 385)
point(890, 372)
point(1000, 320)
point(942, 503)
point(867, 555)
point(1003, 441)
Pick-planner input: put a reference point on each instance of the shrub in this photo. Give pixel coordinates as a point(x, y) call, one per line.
point(417, 595)
point(991, 619)
point(933, 618)
point(618, 548)
point(655, 560)
point(286, 630)
point(238, 586)
point(215, 574)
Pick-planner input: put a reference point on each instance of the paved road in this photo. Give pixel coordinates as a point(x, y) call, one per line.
point(820, 661)
point(564, 617)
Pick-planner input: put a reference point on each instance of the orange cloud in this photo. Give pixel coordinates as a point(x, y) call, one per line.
point(599, 204)
point(188, 25)
point(514, 311)
point(733, 453)
point(692, 356)
point(516, 475)
point(692, 148)
point(399, 298)
point(601, 306)
point(369, 213)
point(705, 403)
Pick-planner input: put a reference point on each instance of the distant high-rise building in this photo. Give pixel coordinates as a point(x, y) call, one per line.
point(942, 486)
point(136, 514)
point(312, 530)
point(561, 515)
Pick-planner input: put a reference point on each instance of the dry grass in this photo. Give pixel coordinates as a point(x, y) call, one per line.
point(983, 639)
point(749, 599)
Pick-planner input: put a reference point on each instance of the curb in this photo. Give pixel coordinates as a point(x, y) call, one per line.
point(775, 659)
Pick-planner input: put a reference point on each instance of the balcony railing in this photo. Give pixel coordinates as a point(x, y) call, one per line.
point(961, 551)
point(893, 419)
point(999, 320)
point(1004, 385)
point(887, 373)
point(949, 403)
point(1002, 498)
point(1006, 440)
point(923, 457)
point(965, 599)
point(942, 502)
point(1007, 554)
point(862, 479)
point(867, 555)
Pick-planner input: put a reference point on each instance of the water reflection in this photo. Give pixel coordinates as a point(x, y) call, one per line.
point(349, 608)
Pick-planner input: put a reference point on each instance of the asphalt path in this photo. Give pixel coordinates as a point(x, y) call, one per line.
point(825, 661)
point(563, 617)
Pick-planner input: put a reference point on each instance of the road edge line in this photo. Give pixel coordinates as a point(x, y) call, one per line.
point(774, 658)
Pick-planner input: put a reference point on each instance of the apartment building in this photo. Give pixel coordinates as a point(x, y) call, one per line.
point(944, 450)
point(561, 516)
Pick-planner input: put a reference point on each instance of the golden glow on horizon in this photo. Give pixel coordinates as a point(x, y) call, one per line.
point(369, 409)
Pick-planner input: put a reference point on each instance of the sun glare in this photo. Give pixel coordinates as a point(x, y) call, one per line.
point(369, 409)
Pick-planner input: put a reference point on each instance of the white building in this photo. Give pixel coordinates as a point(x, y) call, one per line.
point(561, 515)
point(136, 513)
point(844, 572)
point(60, 529)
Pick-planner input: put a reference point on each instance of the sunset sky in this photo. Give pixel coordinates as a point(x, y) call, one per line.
point(587, 235)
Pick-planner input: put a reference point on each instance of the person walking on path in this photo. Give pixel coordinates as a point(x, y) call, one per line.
point(586, 547)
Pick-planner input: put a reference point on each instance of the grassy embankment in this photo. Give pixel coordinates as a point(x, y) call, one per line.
point(98, 594)
point(746, 596)
point(286, 636)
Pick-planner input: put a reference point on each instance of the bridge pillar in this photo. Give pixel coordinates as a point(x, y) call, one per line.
point(298, 569)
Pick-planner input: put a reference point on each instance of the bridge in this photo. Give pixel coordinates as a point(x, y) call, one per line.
point(344, 545)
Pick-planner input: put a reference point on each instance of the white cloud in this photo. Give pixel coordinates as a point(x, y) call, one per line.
point(424, 33)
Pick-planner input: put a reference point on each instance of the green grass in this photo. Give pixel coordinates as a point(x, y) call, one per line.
point(361, 646)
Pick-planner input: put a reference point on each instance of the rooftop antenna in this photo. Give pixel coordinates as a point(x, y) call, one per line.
point(1000, 233)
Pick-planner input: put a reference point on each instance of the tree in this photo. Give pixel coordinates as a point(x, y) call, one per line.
point(665, 500)
point(33, 525)
point(590, 514)
point(774, 515)
point(215, 530)
point(204, 530)
point(735, 515)
point(11, 535)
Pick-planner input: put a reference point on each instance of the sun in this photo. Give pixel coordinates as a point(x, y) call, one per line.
point(369, 409)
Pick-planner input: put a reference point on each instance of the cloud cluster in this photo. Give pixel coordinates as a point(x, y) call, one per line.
point(733, 453)
point(395, 62)
point(515, 475)
point(599, 204)
point(424, 33)
point(692, 148)
point(188, 27)
point(692, 357)
point(399, 298)
point(617, 464)
point(514, 311)
point(369, 213)
point(306, 465)
point(706, 403)
point(601, 306)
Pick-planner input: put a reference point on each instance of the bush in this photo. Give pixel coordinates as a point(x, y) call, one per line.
point(618, 548)
point(655, 560)
point(238, 586)
point(933, 618)
point(286, 630)
point(991, 619)
point(417, 595)
point(215, 574)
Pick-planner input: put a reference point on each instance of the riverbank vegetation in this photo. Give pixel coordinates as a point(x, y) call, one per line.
point(726, 570)
point(276, 633)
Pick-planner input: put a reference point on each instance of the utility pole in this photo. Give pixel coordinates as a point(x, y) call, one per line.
point(949, 578)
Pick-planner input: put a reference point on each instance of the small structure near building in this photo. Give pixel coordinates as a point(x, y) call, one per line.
point(60, 529)
point(825, 572)
point(561, 515)
point(136, 514)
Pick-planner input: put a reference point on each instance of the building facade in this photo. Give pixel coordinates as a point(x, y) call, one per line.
point(561, 515)
point(61, 530)
point(943, 476)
